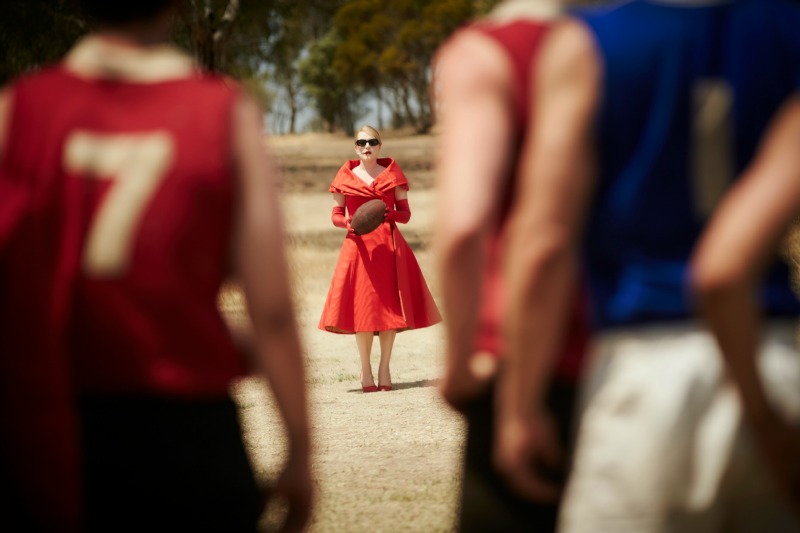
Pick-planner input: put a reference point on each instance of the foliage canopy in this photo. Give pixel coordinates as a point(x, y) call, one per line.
point(327, 55)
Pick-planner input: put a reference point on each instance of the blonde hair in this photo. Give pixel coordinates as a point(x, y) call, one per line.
point(366, 128)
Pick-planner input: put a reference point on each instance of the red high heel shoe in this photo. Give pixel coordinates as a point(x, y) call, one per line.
point(369, 388)
point(384, 388)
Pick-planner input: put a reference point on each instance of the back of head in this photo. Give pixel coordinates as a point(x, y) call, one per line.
point(117, 13)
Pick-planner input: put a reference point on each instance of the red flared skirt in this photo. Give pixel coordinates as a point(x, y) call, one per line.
point(377, 285)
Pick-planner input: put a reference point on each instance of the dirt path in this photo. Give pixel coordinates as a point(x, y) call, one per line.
point(384, 462)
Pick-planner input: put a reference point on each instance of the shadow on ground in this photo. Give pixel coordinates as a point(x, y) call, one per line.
point(409, 385)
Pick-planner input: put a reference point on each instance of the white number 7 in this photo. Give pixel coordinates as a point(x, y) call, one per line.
point(137, 163)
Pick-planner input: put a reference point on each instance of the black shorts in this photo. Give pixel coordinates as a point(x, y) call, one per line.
point(487, 504)
point(155, 464)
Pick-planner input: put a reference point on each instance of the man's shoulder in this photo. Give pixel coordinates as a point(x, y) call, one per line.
point(570, 40)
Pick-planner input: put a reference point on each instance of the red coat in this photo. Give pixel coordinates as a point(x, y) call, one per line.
point(377, 284)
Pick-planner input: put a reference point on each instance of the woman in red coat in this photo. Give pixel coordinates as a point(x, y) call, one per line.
point(378, 287)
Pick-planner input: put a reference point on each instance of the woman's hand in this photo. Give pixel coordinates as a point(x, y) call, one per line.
point(402, 214)
point(339, 219)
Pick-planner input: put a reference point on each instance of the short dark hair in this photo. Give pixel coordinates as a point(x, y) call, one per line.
point(115, 12)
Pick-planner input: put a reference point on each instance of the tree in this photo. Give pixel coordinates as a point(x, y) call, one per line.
point(210, 23)
point(407, 60)
point(333, 98)
point(295, 26)
point(388, 51)
point(330, 53)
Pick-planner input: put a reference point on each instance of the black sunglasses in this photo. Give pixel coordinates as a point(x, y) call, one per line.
point(363, 142)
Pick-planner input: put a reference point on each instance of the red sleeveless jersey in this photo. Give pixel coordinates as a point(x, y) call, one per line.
point(521, 40)
point(142, 172)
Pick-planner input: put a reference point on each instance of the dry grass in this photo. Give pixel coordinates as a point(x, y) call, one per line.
point(386, 461)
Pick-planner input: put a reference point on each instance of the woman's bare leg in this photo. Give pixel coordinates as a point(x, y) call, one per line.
point(386, 339)
point(364, 343)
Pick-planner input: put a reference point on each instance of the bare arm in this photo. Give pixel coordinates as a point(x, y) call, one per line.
point(741, 238)
point(262, 268)
point(541, 267)
point(726, 270)
point(473, 158)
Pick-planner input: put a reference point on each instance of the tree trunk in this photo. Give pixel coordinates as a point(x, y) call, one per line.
point(292, 96)
point(209, 34)
point(425, 120)
point(379, 106)
point(411, 117)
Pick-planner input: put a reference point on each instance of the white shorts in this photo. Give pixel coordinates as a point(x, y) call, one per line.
point(661, 446)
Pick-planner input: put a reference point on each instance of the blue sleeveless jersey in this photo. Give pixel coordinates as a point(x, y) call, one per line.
point(688, 91)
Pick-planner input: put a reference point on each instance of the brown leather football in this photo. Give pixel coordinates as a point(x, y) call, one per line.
point(368, 216)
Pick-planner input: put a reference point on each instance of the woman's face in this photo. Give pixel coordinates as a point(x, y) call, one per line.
point(371, 146)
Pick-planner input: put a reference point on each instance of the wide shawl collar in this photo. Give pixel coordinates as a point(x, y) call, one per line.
point(346, 182)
